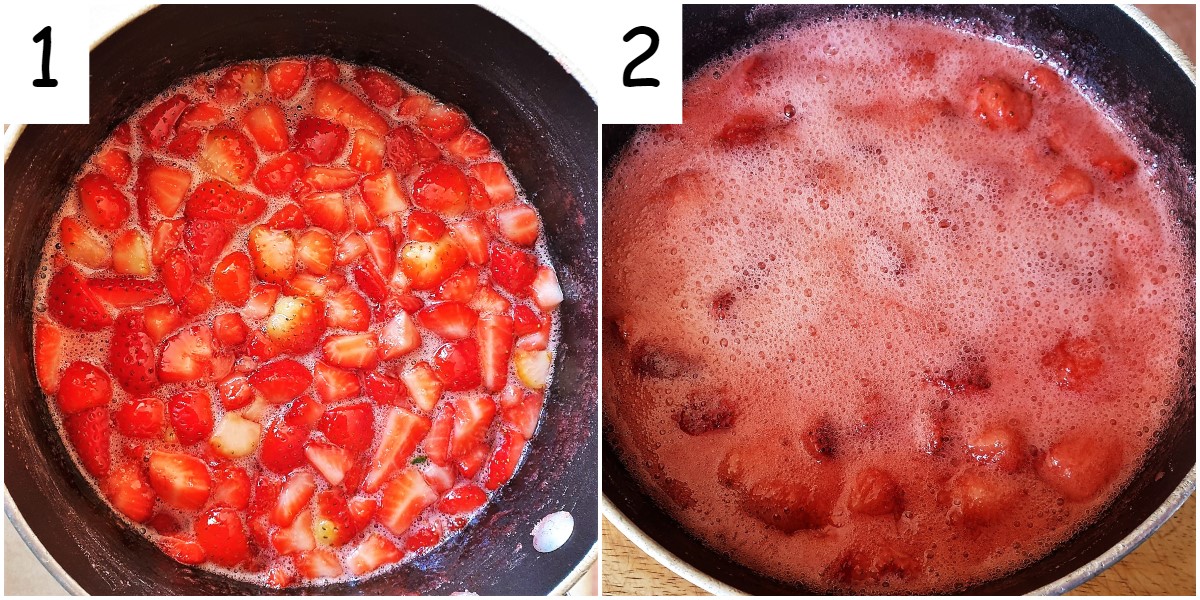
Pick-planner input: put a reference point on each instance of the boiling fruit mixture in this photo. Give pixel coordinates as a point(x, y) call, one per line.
point(295, 321)
point(896, 309)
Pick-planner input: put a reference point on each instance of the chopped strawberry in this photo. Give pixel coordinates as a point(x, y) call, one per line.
point(521, 409)
point(415, 106)
point(326, 210)
point(379, 87)
point(875, 493)
point(999, 105)
point(239, 83)
point(539, 339)
point(235, 436)
point(273, 254)
point(424, 226)
point(130, 256)
point(232, 278)
point(167, 236)
point(450, 320)
point(402, 432)
point(514, 270)
point(470, 463)
point(73, 303)
point(375, 551)
point(158, 124)
point(533, 367)
point(83, 386)
point(177, 274)
point(334, 102)
point(281, 381)
point(186, 356)
point(278, 175)
point(219, 201)
point(223, 536)
point(424, 537)
point(423, 385)
point(186, 143)
point(379, 245)
point(279, 577)
point(325, 68)
point(495, 335)
point(90, 433)
point(47, 352)
point(162, 320)
point(366, 152)
point(191, 416)
point(407, 148)
point(1081, 464)
point(334, 525)
point(460, 287)
point(979, 498)
point(330, 461)
point(283, 447)
point(296, 324)
point(227, 154)
point(404, 498)
point(334, 384)
point(399, 337)
point(437, 443)
point(383, 389)
point(428, 264)
point(268, 126)
point(525, 320)
point(350, 249)
point(205, 240)
point(317, 564)
point(442, 123)
point(82, 245)
point(361, 217)
point(352, 351)
point(131, 354)
point(297, 490)
point(103, 204)
point(230, 486)
point(383, 193)
point(505, 458)
point(285, 78)
point(369, 279)
point(114, 163)
point(124, 291)
point(495, 179)
point(1001, 446)
point(262, 301)
point(442, 188)
point(181, 481)
point(1074, 361)
point(1071, 184)
point(235, 392)
point(201, 116)
point(186, 551)
point(161, 186)
point(473, 416)
point(129, 492)
point(1116, 166)
point(546, 291)
point(518, 224)
point(325, 179)
point(348, 310)
point(469, 146)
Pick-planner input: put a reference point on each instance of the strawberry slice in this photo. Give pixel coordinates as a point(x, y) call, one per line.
point(525, 320)
point(129, 492)
point(369, 280)
point(131, 354)
point(1116, 165)
point(334, 525)
point(268, 126)
point(334, 384)
point(441, 188)
point(186, 356)
point(469, 146)
point(473, 416)
point(283, 447)
point(442, 123)
point(428, 264)
point(424, 226)
point(348, 310)
point(235, 436)
point(366, 152)
point(379, 245)
point(361, 218)
point(423, 385)
point(325, 68)
point(383, 389)
point(495, 334)
point(219, 201)
point(505, 458)
point(1074, 361)
point(462, 500)
point(184, 550)
point(404, 498)
point(521, 410)
point(186, 143)
point(334, 102)
point(415, 106)
point(181, 481)
point(278, 176)
point(191, 416)
point(83, 386)
point(518, 224)
point(103, 204)
point(350, 249)
point(227, 154)
point(90, 433)
point(383, 193)
point(399, 337)
point(114, 163)
point(456, 364)
point(205, 239)
point(130, 256)
point(230, 486)
point(325, 179)
point(201, 116)
point(352, 351)
point(288, 217)
point(1071, 185)
point(160, 186)
point(875, 493)
point(373, 552)
point(317, 564)
point(326, 210)
point(281, 381)
point(437, 443)
point(533, 367)
point(47, 353)
point(297, 490)
point(82, 245)
point(296, 324)
point(285, 78)
point(167, 236)
point(546, 291)
point(1000, 106)
point(450, 320)
point(407, 148)
point(177, 274)
point(262, 301)
point(297, 537)
point(514, 270)
point(330, 461)
point(72, 302)
point(319, 140)
point(496, 182)
point(239, 83)
point(122, 292)
point(158, 124)
point(352, 426)
point(379, 87)
point(402, 432)
point(999, 445)
point(162, 320)
point(460, 287)
point(231, 280)
point(234, 392)
point(223, 536)
point(273, 254)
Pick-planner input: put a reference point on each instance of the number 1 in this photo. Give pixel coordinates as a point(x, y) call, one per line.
point(44, 80)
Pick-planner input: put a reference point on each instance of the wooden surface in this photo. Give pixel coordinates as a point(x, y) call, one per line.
point(1164, 565)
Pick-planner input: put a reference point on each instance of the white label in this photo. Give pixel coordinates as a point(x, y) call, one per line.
point(44, 81)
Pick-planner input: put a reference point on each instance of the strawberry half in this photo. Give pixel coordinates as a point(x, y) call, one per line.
point(442, 123)
point(278, 176)
point(90, 433)
point(402, 432)
point(157, 125)
point(404, 498)
point(130, 256)
point(334, 384)
point(129, 492)
point(223, 536)
point(231, 280)
point(283, 447)
point(296, 324)
point(285, 78)
point(83, 386)
point(47, 354)
point(334, 102)
point(181, 481)
point(227, 154)
point(205, 239)
point(473, 416)
point(103, 204)
point(495, 335)
point(186, 356)
point(131, 355)
point(160, 186)
point(191, 416)
point(72, 302)
point(442, 188)
point(297, 490)
point(219, 201)
point(268, 126)
point(330, 461)
point(428, 264)
point(281, 381)
point(239, 83)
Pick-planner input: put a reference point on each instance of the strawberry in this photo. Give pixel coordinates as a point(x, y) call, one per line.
point(404, 498)
point(191, 416)
point(47, 353)
point(415, 106)
point(281, 381)
point(231, 280)
point(462, 500)
point(129, 492)
point(186, 356)
point(366, 152)
point(181, 481)
point(470, 463)
point(1001, 446)
point(361, 511)
point(283, 447)
point(361, 218)
point(423, 537)
point(496, 182)
point(512, 269)
point(525, 320)
point(351, 427)
point(167, 236)
point(267, 124)
point(539, 339)
point(424, 226)
point(130, 256)
point(279, 577)
point(262, 301)
point(441, 188)
point(979, 498)
point(234, 392)
point(223, 536)
point(325, 68)
point(296, 324)
point(473, 416)
point(177, 274)
point(744, 130)
point(158, 124)
point(786, 505)
point(383, 193)
point(352, 351)
point(103, 204)
point(1081, 464)
point(478, 195)
point(348, 310)
point(533, 367)
point(273, 254)
point(442, 123)
point(162, 320)
point(1071, 185)
point(334, 384)
point(186, 551)
point(131, 354)
point(423, 385)
point(399, 337)
point(297, 490)
point(278, 175)
point(201, 116)
point(319, 140)
point(124, 291)
point(330, 461)
point(870, 566)
point(373, 552)
point(114, 163)
point(161, 186)
point(239, 83)
point(334, 102)
point(83, 386)
point(456, 364)
point(383, 389)
point(235, 436)
point(369, 280)
point(469, 146)
point(460, 287)
point(204, 240)
point(406, 148)
point(305, 413)
point(325, 179)
point(401, 433)
point(219, 201)
point(546, 291)
point(450, 320)
point(875, 493)
point(702, 412)
point(326, 210)
point(230, 486)
point(350, 249)
point(518, 224)
point(495, 335)
point(1000, 106)
point(123, 134)
point(227, 154)
point(186, 143)
point(285, 78)
point(297, 537)
point(317, 564)
point(379, 245)
point(1116, 165)
point(521, 410)
point(504, 460)
point(379, 87)
point(82, 245)
point(196, 301)
point(91, 433)
point(428, 264)
point(288, 217)
point(1074, 362)
point(334, 525)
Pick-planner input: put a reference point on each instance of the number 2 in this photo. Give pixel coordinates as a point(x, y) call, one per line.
point(44, 80)
point(627, 79)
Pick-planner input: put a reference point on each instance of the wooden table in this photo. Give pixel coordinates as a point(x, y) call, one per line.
point(1164, 565)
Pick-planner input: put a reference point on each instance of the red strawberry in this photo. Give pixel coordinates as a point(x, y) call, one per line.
point(423, 385)
point(348, 310)
point(268, 126)
point(273, 254)
point(124, 291)
point(281, 381)
point(437, 443)
point(1081, 464)
point(278, 577)
point(334, 525)
point(496, 181)
point(350, 249)
point(424, 226)
point(470, 463)
point(450, 320)
point(181, 481)
point(525, 320)
point(285, 78)
point(399, 337)
point(521, 409)
point(513, 270)
point(407, 148)
point(472, 236)
point(288, 217)
point(158, 124)
point(353, 351)
point(351, 426)
point(401, 434)
point(91, 433)
point(873, 565)
point(495, 334)
point(204, 240)
point(404, 498)
point(1071, 184)
point(442, 123)
point(460, 287)
point(262, 301)
point(219, 201)
point(366, 152)
point(319, 140)
point(457, 365)
point(703, 412)
point(326, 210)
point(428, 264)
point(278, 175)
point(334, 102)
point(470, 145)
point(103, 204)
point(223, 536)
point(423, 537)
point(83, 386)
point(1074, 362)
point(369, 280)
point(239, 83)
point(296, 324)
point(442, 188)
point(324, 179)
point(518, 224)
point(186, 551)
point(234, 392)
point(876, 493)
point(317, 564)
point(82, 245)
point(1001, 446)
point(334, 384)
point(47, 353)
point(383, 389)
point(186, 143)
point(297, 537)
point(167, 236)
point(283, 447)
point(129, 492)
point(131, 354)
point(230, 486)
point(375, 551)
point(186, 356)
point(227, 154)
point(325, 68)
point(161, 320)
point(472, 417)
point(177, 274)
point(999, 105)
point(505, 458)
point(201, 116)
point(379, 87)
point(362, 510)
point(191, 416)
point(231, 280)
point(361, 218)
point(330, 461)
point(979, 498)
point(123, 134)
point(1116, 166)
point(114, 163)
point(160, 186)
point(297, 490)
point(379, 245)
point(383, 193)
point(546, 291)
point(415, 106)
point(130, 256)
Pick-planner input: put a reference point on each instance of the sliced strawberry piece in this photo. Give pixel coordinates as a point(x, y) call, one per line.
point(326, 210)
point(219, 201)
point(442, 123)
point(167, 236)
point(366, 152)
point(425, 226)
point(1071, 185)
point(268, 126)
point(103, 204)
point(122, 292)
point(230, 486)
point(273, 254)
point(533, 367)
point(205, 240)
point(186, 356)
point(415, 106)
point(223, 536)
point(442, 188)
point(287, 218)
point(1074, 361)
point(283, 447)
point(201, 116)
point(369, 280)
point(495, 334)
point(262, 301)
point(181, 481)
point(437, 443)
point(227, 154)
point(297, 537)
point(428, 264)
point(423, 385)
point(346, 309)
point(404, 498)
point(462, 500)
point(239, 83)
point(83, 386)
point(980, 498)
point(186, 143)
point(362, 510)
point(130, 256)
point(470, 463)
point(281, 381)
point(325, 68)
point(325, 179)
point(469, 146)
point(160, 186)
point(875, 493)
point(319, 140)
point(521, 410)
point(297, 490)
point(305, 413)
point(1081, 464)
point(402, 432)
point(231, 280)
point(334, 525)
point(330, 461)
point(235, 392)
point(47, 352)
point(157, 125)
point(457, 365)
point(129, 492)
point(1116, 165)
point(379, 87)
point(186, 551)
point(73, 303)
point(82, 245)
point(279, 175)
point(496, 182)
point(361, 218)
point(473, 416)
point(407, 148)
point(375, 551)
point(278, 577)
point(285, 78)
point(317, 564)
point(191, 416)
point(90, 433)
point(745, 129)
point(525, 320)
point(334, 384)
point(379, 245)
point(514, 270)
point(383, 389)
point(546, 291)
point(162, 320)
point(350, 249)
point(518, 224)
point(114, 163)
point(296, 324)
point(177, 274)
point(383, 193)
point(999, 105)
point(999, 445)
point(131, 354)
point(351, 427)
point(399, 337)
point(334, 102)
point(505, 458)
point(235, 436)
point(353, 351)
point(460, 287)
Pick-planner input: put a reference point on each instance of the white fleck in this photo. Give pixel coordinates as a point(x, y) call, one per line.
point(553, 531)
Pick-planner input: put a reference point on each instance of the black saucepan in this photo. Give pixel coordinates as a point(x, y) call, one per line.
point(540, 118)
point(1126, 61)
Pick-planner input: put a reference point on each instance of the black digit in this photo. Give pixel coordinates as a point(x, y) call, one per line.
point(44, 80)
point(627, 79)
